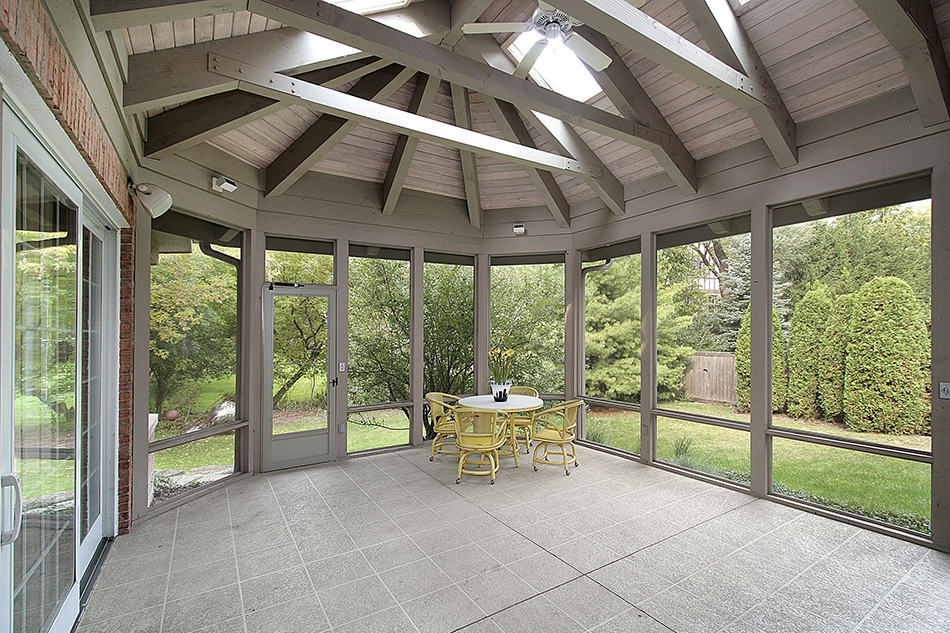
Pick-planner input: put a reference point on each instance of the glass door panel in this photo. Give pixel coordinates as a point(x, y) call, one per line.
point(299, 376)
point(44, 417)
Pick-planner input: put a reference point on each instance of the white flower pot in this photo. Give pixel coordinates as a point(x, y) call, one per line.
point(500, 390)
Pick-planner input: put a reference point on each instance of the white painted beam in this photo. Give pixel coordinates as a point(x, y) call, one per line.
point(729, 41)
point(463, 119)
point(379, 39)
point(618, 20)
point(629, 97)
point(116, 14)
point(910, 27)
point(328, 130)
point(512, 127)
point(422, 97)
point(463, 12)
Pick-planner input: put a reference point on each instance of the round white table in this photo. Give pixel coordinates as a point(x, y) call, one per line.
point(514, 404)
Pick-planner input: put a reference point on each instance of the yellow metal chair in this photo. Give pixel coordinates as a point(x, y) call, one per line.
point(442, 407)
point(479, 432)
point(560, 423)
point(522, 426)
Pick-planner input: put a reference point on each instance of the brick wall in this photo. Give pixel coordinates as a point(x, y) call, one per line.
point(28, 32)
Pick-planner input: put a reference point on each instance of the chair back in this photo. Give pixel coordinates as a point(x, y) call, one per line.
point(479, 428)
point(523, 391)
point(568, 412)
point(440, 404)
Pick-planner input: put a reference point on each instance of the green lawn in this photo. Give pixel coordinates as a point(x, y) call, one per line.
point(885, 488)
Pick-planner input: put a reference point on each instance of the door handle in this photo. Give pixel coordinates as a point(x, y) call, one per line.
point(334, 382)
point(8, 536)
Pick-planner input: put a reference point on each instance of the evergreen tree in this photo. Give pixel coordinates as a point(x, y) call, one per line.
point(804, 340)
point(832, 354)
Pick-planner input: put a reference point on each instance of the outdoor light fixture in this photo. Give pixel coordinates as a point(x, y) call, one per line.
point(153, 198)
point(223, 184)
point(517, 229)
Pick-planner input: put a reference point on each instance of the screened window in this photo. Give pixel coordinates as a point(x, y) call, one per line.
point(449, 323)
point(292, 260)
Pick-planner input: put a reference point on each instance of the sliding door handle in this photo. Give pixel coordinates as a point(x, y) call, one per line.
point(8, 536)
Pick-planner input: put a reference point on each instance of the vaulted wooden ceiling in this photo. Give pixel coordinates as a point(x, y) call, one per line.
point(788, 61)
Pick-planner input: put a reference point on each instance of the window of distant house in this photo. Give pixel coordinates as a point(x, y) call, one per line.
point(557, 68)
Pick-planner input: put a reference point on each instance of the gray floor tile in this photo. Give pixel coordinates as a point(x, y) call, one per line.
point(143, 621)
point(276, 587)
point(393, 553)
point(118, 571)
point(325, 545)
point(202, 610)
point(587, 602)
point(442, 611)
point(108, 602)
point(464, 562)
point(225, 626)
point(632, 621)
point(354, 600)
point(186, 581)
point(509, 547)
point(266, 561)
point(303, 615)
point(496, 589)
point(415, 579)
point(543, 571)
point(537, 614)
point(630, 580)
point(584, 554)
point(392, 620)
point(338, 570)
point(685, 613)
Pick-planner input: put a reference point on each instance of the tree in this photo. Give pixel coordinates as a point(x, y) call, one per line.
point(887, 368)
point(744, 364)
point(832, 354)
point(804, 340)
point(449, 328)
point(612, 330)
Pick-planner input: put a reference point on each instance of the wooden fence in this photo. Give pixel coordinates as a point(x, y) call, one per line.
point(711, 377)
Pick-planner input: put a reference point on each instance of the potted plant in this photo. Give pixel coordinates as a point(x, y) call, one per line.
point(499, 362)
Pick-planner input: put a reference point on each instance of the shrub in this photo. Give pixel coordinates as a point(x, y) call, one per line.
point(885, 389)
point(831, 357)
point(744, 360)
point(804, 339)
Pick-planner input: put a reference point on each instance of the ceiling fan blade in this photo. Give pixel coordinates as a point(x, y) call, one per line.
point(587, 52)
point(476, 28)
point(527, 62)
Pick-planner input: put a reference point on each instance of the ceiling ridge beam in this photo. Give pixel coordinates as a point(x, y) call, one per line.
point(514, 128)
point(728, 40)
point(633, 28)
point(632, 101)
point(376, 38)
point(327, 131)
point(422, 97)
point(194, 122)
point(461, 105)
point(910, 27)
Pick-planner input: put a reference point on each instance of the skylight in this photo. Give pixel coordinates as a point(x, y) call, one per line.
point(557, 68)
point(364, 7)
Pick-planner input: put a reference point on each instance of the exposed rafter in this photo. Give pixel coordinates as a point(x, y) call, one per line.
point(196, 121)
point(632, 101)
point(354, 108)
point(728, 40)
point(328, 130)
point(619, 21)
point(173, 75)
point(117, 14)
point(422, 97)
point(564, 137)
point(910, 27)
point(463, 12)
point(379, 39)
point(513, 128)
point(463, 119)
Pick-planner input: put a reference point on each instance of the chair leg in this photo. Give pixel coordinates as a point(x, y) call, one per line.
point(564, 455)
point(462, 457)
point(534, 461)
point(493, 464)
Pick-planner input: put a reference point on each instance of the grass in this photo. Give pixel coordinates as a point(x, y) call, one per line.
point(888, 489)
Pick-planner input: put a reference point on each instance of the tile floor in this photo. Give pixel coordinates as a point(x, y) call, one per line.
point(390, 543)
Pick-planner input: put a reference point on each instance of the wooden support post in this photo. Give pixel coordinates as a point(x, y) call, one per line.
point(341, 277)
point(573, 362)
point(761, 354)
point(416, 345)
point(251, 344)
point(940, 354)
point(648, 348)
point(140, 375)
point(482, 320)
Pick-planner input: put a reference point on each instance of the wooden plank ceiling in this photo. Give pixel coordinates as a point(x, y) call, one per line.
point(822, 55)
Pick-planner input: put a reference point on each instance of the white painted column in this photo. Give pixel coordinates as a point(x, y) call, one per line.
point(648, 347)
point(761, 350)
point(416, 345)
point(940, 353)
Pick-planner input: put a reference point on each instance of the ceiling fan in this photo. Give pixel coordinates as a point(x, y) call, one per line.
point(552, 24)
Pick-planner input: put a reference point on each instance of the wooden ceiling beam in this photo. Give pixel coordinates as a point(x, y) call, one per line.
point(379, 39)
point(514, 129)
point(463, 119)
point(117, 14)
point(621, 22)
point(173, 75)
point(352, 107)
point(328, 130)
point(910, 27)
point(422, 97)
point(463, 12)
point(728, 40)
point(194, 122)
point(633, 102)
point(561, 135)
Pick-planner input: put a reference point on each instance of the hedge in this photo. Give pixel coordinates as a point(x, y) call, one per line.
point(804, 340)
point(832, 355)
point(886, 373)
point(743, 364)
